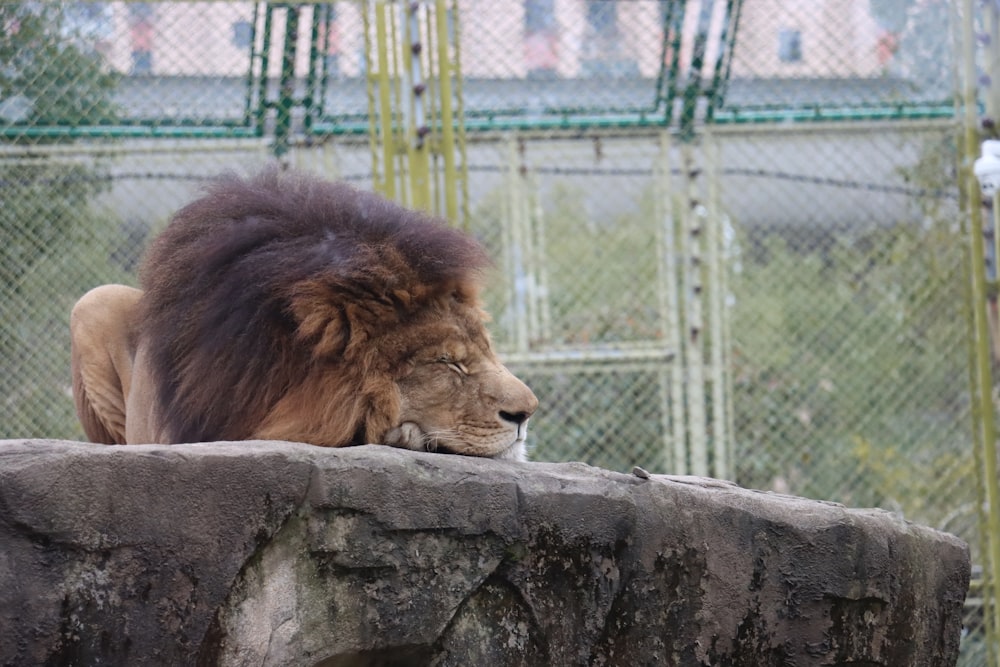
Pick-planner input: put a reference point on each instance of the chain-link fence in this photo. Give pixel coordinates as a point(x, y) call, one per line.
point(690, 278)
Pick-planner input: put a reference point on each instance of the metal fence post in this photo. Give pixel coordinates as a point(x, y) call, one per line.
point(286, 84)
point(672, 317)
point(981, 335)
point(715, 304)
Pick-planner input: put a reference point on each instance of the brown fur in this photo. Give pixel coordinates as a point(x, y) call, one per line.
point(288, 307)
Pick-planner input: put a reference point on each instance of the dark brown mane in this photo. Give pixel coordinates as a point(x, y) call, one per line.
point(257, 284)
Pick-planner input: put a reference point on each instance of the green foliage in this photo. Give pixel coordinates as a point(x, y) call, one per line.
point(50, 70)
point(848, 355)
point(601, 277)
point(37, 292)
point(849, 369)
point(922, 47)
point(49, 226)
point(43, 202)
point(602, 272)
point(607, 418)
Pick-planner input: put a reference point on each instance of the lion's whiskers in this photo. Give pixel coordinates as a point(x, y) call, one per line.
point(432, 439)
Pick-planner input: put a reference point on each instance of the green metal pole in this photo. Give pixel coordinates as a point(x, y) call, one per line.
point(447, 117)
point(286, 85)
point(724, 59)
point(397, 73)
point(671, 317)
point(975, 411)
point(460, 117)
point(317, 66)
point(692, 276)
point(385, 100)
point(328, 18)
point(265, 63)
point(981, 338)
point(248, 107)
point(714, 302)
point(677, 27)
point(689, 105)
point(417, 130)
point(373, 113)
point(515, 247)
point(666, 21)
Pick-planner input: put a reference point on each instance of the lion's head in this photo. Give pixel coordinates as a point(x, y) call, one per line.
point(285, 307)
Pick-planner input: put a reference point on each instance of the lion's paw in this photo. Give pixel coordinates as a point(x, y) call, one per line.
point(408, 436)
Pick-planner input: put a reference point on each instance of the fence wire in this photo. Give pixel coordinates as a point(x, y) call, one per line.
point(838, 262)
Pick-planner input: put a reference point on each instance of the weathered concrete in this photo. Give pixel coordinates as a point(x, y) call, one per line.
point(285, 554)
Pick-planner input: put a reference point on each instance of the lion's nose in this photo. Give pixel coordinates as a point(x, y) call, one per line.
point(515, 400)
point(519, 405)
point(516, 417)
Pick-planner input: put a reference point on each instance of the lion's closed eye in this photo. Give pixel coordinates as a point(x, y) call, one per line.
point(453, 365)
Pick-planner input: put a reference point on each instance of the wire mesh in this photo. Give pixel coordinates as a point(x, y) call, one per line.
point(840, 244)
point(850, 61)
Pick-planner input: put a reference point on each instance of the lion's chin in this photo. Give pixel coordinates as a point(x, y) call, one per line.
point(409, 435)
point(515, 451)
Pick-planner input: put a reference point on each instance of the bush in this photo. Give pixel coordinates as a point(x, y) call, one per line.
point(49, 226)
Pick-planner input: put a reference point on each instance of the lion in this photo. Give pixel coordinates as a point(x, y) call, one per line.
point(285, 307)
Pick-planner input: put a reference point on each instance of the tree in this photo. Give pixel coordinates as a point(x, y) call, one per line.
point(921, 47)
point(50, 77)
point(49, 71)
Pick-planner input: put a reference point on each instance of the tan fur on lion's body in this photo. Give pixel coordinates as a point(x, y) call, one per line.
point(284, 307)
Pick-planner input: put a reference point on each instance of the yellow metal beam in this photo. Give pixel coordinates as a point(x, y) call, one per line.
point(384, 80)
point(981, 335)
point(447, 117)
point(415, 108)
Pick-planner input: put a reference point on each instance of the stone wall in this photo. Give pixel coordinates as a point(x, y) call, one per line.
point(283, 554)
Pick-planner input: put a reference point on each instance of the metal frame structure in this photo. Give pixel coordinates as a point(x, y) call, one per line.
point(417, 127)
point(690, 359)
point(681, 96)
point(981, 362)
point(413, 111)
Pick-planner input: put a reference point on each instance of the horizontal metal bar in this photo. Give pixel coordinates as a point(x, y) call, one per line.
point(723, 117)
point(508, 124)
point(126, 132)
point(589, 355)
point(813, 114)
point(840, 126)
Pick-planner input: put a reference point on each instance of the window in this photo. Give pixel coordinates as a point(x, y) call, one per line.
point(790, 46)
point(241, 34)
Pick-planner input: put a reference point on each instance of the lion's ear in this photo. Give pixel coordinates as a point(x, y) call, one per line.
point(335, 322)
point(318, 321)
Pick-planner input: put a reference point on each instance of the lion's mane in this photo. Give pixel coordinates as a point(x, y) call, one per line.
point(281, 282)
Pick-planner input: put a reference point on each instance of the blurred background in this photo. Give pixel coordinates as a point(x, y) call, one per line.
point(733, 238)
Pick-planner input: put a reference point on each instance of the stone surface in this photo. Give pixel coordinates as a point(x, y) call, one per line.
point(285, 554)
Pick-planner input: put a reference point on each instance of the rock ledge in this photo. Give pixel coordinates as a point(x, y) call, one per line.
point(285, 554)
